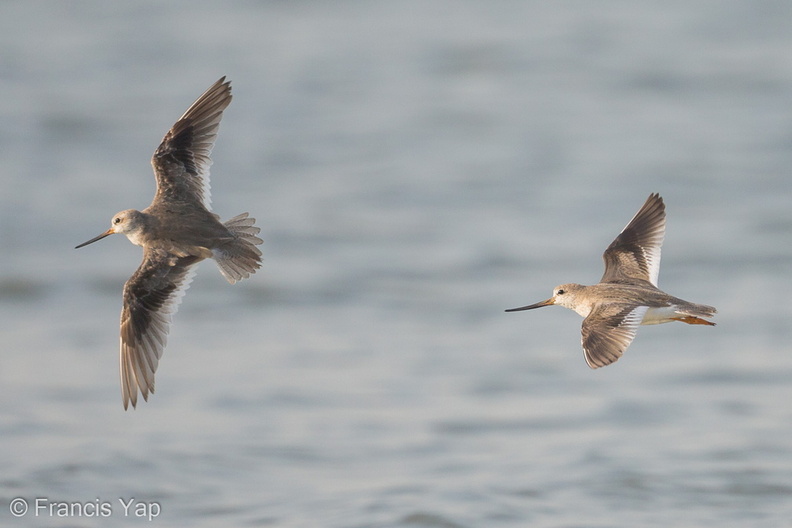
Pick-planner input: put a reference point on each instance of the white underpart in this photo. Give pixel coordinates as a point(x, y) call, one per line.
point(665, 314)
point(652, 256)
point(636, 317)
point(203, 173)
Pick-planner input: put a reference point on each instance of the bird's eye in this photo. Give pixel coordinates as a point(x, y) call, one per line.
point(117, 220)
point(560, 292)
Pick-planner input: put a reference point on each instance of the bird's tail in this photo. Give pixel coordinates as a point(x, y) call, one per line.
point(239, 258)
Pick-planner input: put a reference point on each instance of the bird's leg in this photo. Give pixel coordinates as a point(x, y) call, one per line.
point(693, 320)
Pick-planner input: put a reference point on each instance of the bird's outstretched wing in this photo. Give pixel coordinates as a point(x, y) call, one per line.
point(608, 331)
point(181, 162)
point(635, 254)
point(151, 297)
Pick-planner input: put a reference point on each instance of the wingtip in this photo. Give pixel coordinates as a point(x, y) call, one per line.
point(656, 198)
point(223, 81)
point(125, 397)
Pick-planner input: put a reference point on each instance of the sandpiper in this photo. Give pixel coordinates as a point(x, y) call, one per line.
point(177, 231)
point(627, 295)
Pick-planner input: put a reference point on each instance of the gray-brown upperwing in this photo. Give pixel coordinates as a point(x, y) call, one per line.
point(151, 297)
point(181, 162)
point(635, 254)
point(608, 331)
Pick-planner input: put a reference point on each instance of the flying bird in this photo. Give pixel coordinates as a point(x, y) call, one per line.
point(177, 231)
point(627, 295)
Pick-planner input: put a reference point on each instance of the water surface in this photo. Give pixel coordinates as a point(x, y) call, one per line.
point(415, 168)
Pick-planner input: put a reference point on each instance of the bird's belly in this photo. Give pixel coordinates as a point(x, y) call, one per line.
point(663, 314)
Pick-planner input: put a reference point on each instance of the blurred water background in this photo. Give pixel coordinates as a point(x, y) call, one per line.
point(416, 168)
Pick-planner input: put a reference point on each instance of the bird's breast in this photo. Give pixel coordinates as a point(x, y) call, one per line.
point(137, 238)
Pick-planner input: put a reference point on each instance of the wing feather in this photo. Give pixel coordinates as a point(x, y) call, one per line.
point(635, 254)
point(608, 331)
point(181, 162)
point(151, 297)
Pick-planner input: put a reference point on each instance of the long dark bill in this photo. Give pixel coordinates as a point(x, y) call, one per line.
point(94, 239)
point(548, 302)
